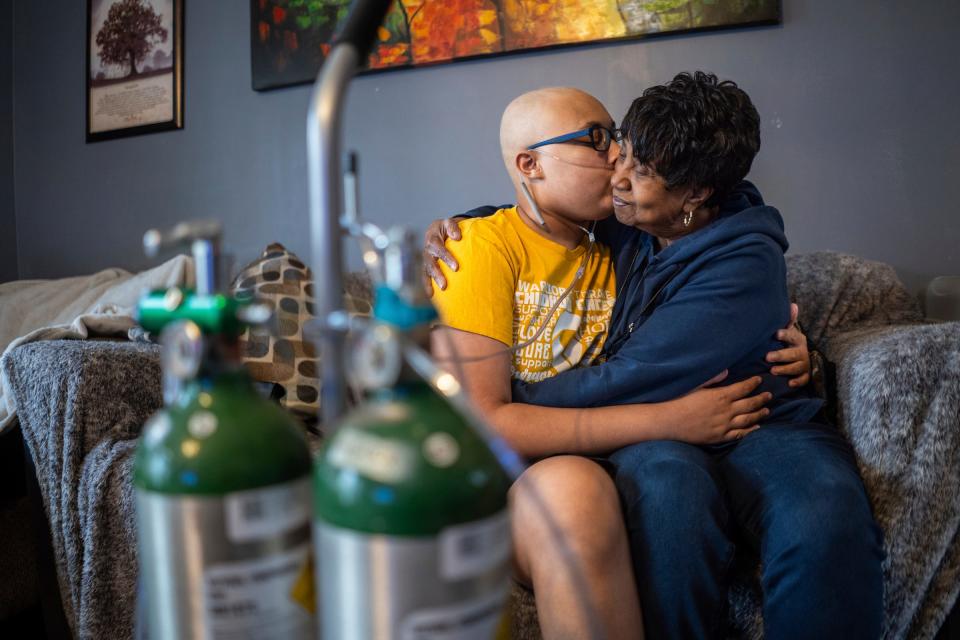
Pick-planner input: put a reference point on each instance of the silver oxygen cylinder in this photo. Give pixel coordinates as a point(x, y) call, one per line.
point(221, 479)
point(411, 528)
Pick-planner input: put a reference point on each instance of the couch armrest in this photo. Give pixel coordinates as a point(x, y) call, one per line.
point(838, 293)
point(897, 384)
point(81, 404)
point(98, 388)
point(898, 393)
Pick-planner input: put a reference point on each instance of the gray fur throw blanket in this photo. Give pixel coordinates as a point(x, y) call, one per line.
point(81, 405)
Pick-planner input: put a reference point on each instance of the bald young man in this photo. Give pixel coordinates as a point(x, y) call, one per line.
point(507, 317)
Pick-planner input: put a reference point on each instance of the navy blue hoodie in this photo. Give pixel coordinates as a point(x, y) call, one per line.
point(710, 301)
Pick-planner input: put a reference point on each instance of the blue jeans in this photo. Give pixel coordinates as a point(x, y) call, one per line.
point(791, 492)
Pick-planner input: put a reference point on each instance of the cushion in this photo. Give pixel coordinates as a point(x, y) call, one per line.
point(285, 357)
point(837, 292)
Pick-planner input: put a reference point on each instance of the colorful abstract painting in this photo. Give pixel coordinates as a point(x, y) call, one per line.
point(290, 38)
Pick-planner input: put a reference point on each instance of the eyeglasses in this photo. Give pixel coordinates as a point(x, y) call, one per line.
point(600, 137)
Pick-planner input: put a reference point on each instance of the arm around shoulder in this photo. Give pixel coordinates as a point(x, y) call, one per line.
point(710, 323)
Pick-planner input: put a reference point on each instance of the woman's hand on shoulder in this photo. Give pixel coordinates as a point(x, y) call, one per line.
point(434, 250)
point(710, 415)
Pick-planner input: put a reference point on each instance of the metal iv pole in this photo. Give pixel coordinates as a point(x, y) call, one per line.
point(324, 125)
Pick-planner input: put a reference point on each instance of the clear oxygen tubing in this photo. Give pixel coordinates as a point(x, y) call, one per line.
point(534, 208)
point(539, 219)
point(546, 318)
point(537, 216)
point(449, 387)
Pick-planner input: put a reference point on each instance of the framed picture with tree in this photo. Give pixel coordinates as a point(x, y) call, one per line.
point(134, 67)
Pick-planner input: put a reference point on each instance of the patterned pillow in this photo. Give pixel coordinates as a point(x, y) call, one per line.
point(281, 280)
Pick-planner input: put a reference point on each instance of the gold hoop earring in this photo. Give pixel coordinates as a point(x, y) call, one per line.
point(688, 218)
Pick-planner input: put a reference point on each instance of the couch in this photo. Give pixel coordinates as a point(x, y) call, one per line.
point(897, 398)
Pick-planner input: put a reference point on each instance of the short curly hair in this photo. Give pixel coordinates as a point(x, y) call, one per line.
point(695, 131)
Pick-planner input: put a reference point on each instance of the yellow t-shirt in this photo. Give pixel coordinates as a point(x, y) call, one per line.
point(509, 278)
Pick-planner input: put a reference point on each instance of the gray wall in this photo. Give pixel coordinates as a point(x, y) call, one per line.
point(861, 147)
point(8, 227)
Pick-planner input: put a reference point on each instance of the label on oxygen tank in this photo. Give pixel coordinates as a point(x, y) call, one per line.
point(476, 619)
point(261, 513)
point(450, 586)
point(227, 565)
point(471, 549)
point(253, 598)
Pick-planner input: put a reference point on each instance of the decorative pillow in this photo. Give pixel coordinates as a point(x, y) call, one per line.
point(837, 292)
point(281, 280)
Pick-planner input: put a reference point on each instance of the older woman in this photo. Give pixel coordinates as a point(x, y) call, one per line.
point(701, 287)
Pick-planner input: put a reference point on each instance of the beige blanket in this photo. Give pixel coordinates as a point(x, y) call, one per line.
point(102, 304)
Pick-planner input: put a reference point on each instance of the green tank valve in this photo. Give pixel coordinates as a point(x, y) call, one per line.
point(213, 314)
point(221, 475)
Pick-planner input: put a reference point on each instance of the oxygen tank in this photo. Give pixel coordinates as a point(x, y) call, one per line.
point(221, 475)
point(412, 537)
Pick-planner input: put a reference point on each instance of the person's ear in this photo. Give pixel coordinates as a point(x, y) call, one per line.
point(529, 166)
point(697, 197)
